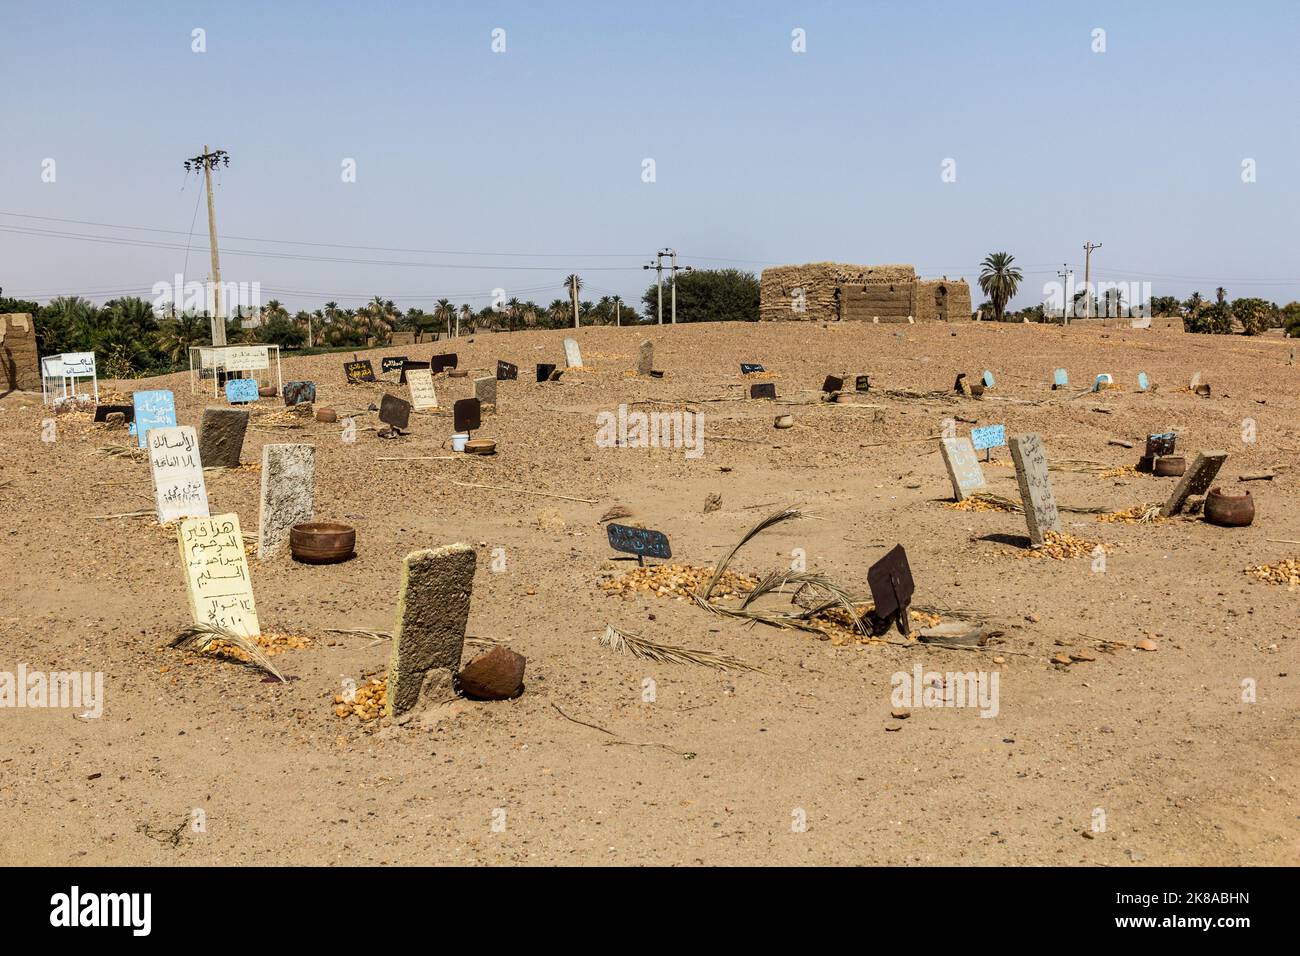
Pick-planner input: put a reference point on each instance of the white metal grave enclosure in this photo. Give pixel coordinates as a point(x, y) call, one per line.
point(211, 362)
point(60, 374)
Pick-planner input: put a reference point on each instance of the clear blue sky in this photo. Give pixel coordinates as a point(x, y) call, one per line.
point(763, 155)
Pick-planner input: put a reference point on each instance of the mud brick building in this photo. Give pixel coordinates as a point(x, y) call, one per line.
point(837, 291)
point(20, 368)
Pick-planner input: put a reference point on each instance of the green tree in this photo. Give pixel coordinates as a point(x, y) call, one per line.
point(709, 295)
point(1255, 315)
point(177, 335)
point(1213, 319)
point(999, 279)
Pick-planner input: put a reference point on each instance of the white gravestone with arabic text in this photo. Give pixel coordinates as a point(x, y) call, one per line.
point(572, 354)
point(178, 487)
point(216, 574)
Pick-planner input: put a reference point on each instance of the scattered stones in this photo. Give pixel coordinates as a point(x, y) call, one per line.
point(1081, 657)
point(496, 675)
point(900, 714)
point(1146, 644)
point(1285, 572)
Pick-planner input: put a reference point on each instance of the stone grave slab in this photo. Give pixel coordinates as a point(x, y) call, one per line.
point(1195, 481)
point(288, 493)
point(963, 467)
point(429, 639)
point(1035, 486)
point(221, 436)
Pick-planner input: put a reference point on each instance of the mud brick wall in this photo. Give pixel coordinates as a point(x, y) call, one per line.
point(820, 282)
point(942, 300)
point(886, 301)
point(19, 365)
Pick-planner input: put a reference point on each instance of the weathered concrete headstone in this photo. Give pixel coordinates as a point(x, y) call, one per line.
point(216, 573)
point(645, 359)
point(288, 493)
point(963, 467)
point(221, 437)
point(572, 354)
point(432, 610)
point(178, 488)
point(1195, 481)
point(485, 390)
point(1035, 486)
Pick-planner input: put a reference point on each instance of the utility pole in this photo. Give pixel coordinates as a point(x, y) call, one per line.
point(675, 269)
point(1087, 277)
point(659, 282)
point(618, 311)
point(207, 160)
point(1065, 293)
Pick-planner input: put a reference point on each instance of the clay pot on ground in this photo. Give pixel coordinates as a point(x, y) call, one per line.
point(326, 415)
point(1229, 510)
point(268, 391)
point(322, 542)
point(496, 675)
point(1170, 466)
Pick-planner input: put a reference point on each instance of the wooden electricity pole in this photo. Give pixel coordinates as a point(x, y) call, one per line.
point(207, 160)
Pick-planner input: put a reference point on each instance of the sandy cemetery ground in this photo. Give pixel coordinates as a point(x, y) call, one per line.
point(799, 762)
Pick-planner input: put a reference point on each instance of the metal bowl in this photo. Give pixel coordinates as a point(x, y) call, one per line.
point(322, 542)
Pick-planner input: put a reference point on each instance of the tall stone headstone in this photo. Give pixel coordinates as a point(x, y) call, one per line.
point(485, 390)
point(963, 467)
point(288, 494)
point(432, 610)
point(1195, 481)
point(572, 354)
point(221, 436)
point(645, 359)
point(1035, 486)
point(178, 488)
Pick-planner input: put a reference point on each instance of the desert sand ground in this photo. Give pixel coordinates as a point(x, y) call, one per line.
point(1159, 741)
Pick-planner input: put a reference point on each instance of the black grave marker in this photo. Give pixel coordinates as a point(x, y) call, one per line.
point(506, 372)
point(642, 542)
point(833, 383)
point(465, 414)
point(890, 580)
point(102, 412)
point(747, 368)
point(440, 363)
point(359, 371)
point(1161, 444)
point(391, 363)
point(407, 366)
point(395, 411)
point(544, 371)
point(862, 383)
point(763, 390)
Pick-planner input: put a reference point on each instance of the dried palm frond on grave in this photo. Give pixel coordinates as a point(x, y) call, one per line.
point(1138, 514)
point(1061, 545)
point(771, 521)
point(367, 702)
point(681, 581)
point(204, 637)
point(1124, 471)
point(624, 642)
point(1285, 572)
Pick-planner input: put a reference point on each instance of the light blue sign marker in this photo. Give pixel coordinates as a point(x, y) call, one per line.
point(241, 390)
point(988, 379)
point(1103, 379)
point(153, 410)
point(1061, 378)
point(990, 436)
point(1142, 382)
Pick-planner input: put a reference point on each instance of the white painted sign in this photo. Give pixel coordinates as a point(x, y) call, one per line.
point(69, 365)
point(244, 358)
point(423, 395)
point(178, 487)
point(216, 573)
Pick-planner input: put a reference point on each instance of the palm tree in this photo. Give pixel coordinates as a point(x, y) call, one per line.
point(574, 284)
point(1220, 295)
point(177, 334)
point(999, 279)
point(1194, 304)
point(465, 315)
